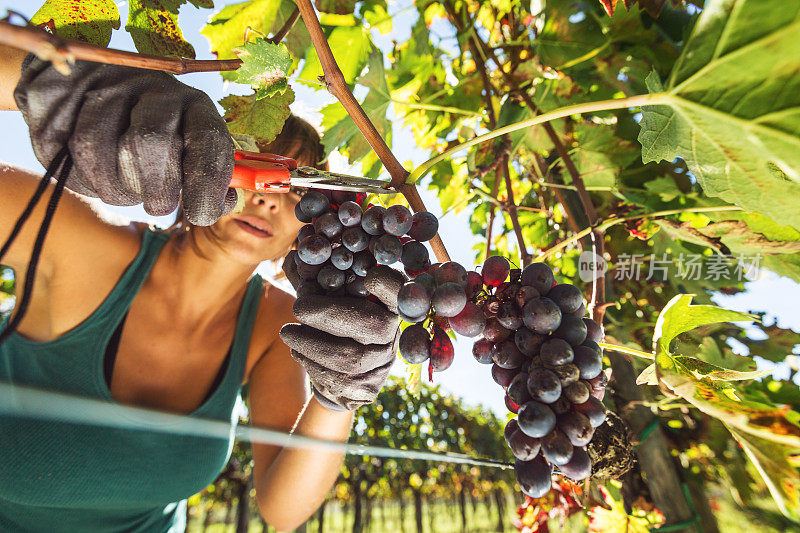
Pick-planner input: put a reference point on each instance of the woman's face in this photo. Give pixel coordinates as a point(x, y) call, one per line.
point(265, 229)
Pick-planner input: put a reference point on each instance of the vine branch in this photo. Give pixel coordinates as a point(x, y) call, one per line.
point(337, 86)
point(512, 213)
point(62, 52)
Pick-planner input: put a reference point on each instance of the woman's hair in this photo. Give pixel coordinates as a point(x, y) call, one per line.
point(298, 139)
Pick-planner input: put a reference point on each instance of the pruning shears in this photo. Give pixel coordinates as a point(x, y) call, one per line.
point(270, 173)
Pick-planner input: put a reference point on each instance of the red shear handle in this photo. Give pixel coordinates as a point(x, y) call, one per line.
point(259, 172)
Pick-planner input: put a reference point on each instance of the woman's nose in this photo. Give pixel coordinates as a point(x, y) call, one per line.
point(268, 201)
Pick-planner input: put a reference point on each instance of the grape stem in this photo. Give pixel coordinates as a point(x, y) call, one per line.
point(626, 350)
point(337, 86)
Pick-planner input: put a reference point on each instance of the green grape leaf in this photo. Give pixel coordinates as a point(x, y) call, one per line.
point(261, 118)
point(350, 45)
point(153, 25)
point(731, 106)
point(226, 29)
point(599, 154)
point(772, 462)
point(264, 66)
point(91, 22)
point(701, 384)
point(340, 7)
point(563, 43)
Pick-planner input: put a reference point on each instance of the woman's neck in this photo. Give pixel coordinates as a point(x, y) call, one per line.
point(200, 279)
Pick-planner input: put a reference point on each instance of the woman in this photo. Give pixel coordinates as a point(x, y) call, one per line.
point(173, 321)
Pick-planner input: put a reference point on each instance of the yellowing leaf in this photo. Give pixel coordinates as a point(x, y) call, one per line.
point(153, 25)
point(261, 118)
point(264, 66)
point(350, 46)
point(226, 30)
point(91, 22)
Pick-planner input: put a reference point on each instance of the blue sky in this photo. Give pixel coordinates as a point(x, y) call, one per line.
point(466, 377)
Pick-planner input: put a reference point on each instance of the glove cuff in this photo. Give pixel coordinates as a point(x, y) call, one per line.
point(325, 402)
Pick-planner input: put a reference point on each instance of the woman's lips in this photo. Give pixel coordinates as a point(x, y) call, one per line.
point(255, 226)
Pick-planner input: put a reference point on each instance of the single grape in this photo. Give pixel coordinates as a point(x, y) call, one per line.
point(414, 255)
point(536, 419)
point(470, 321)
point(372, 220)
point(433, 268)
point(594, 331)
point(518, 389)
point(581, 312)
point(557, 448)
point(577, 392)
point(503, 376)
point(356, 287)
point(588, 362)
point(314, 250)
point(495, 270)
point(426, 280)
point(525, 294)
point(510, 405)
point(397, 220)
point(424, 226)
point(594, 410)
point(328, 225)
point(449, 299)
point(388, 249)
point(340, 197)
point(567, 297)
point(474, 284)
point(579, 466)
point(299, 215)
point(572, 330)
point(482, 351)
point(524, 447)
point(350, 214)
point(451, 272)
point(509, 316)
point(533, 477)
point(555, 352)
point(505, 354)
point(561, 406)
point(539, 276)
point(314, 204)
point(306, 231)
point(494, 331)
point(330, 278)
point(413, 299)
point(355, 239)
point(442, 351)
point(566, 374)
point(541, 315)
point(412, 319)
point(527, 341)
point(415, 344)
point(544, 385)
point(511, 428)
point(362, 262)
point(341, 258)
point(576, 427)
point(306, 271)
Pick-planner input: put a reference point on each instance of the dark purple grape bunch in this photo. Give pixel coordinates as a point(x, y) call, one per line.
point(544, 353)
point(341, 242)
point(436, 300)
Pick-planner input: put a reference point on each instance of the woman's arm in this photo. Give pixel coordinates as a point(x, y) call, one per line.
point(10, 63)
point(291, 483)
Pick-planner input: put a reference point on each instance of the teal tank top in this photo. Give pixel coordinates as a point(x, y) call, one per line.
point(56, 476)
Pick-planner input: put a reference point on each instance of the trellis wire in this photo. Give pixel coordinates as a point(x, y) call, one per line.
point(27, 402)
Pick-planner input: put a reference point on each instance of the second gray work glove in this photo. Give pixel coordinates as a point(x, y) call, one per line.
point(346, 344)
point(135, 136)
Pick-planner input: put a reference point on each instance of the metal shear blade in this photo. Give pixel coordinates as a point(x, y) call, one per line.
point(322, 179)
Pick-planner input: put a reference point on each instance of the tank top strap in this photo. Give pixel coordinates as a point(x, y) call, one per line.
point(244, 325)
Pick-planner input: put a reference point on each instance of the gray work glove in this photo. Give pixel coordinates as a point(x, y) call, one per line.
point(135, 136)
point(346, 344)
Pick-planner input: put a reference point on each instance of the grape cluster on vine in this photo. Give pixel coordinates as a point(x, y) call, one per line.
point(341, 242)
